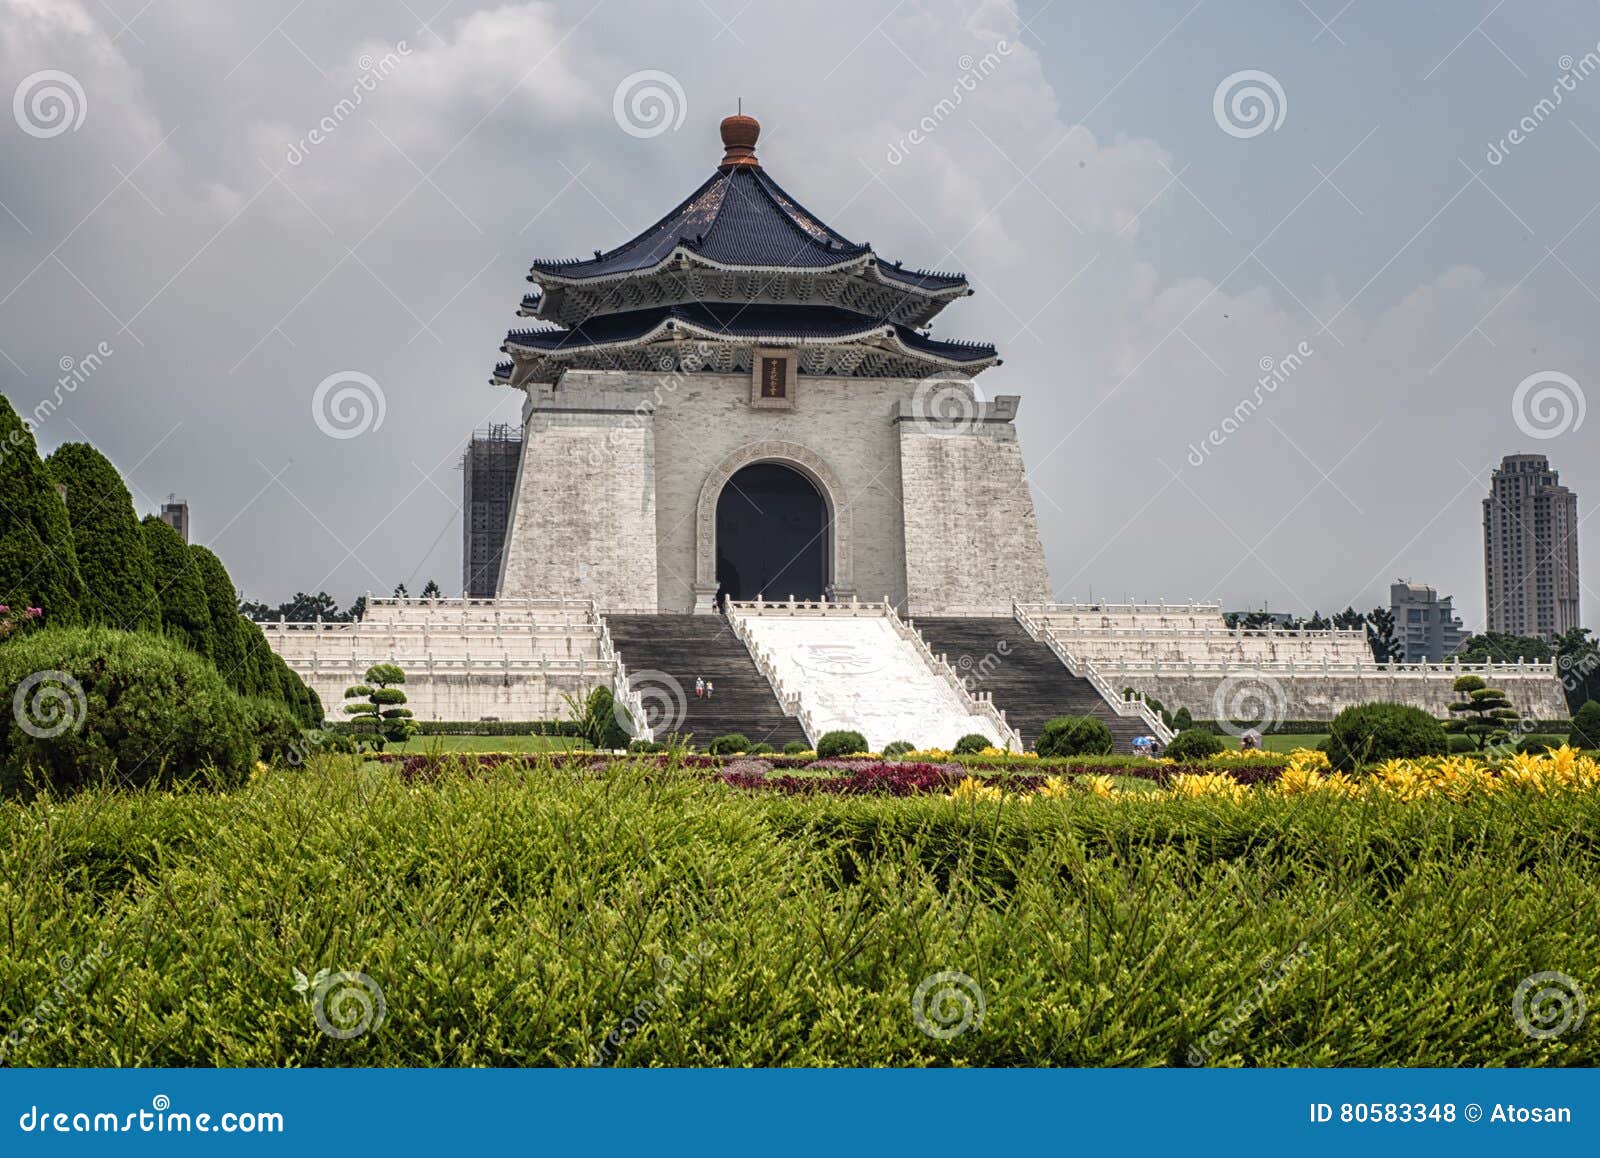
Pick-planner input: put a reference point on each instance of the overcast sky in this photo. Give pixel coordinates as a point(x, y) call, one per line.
point(1141, 245)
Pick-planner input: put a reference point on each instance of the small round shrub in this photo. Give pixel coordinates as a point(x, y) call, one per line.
point(1073, 736)
point(1537, 744)
point(1182, 720)
point(759, 750)
point(1195, 744)
point(836, 744)
point(1586, 726)
point(136, 708)
point(971, 744)
point(729, 744)
point(1372, 733)
point(277, 732)
point(646, 747)
point(895, 749)
point(1461, 744)
point(795, 748)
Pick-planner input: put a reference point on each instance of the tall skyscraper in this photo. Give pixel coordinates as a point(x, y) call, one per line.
point(1530, 549)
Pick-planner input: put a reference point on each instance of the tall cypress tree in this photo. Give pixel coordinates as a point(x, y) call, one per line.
point(227, 638)
point(38, 567)
point(112, 557)
point(185, 612)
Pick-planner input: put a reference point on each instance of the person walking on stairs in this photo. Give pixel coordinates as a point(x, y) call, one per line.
point(699, 688)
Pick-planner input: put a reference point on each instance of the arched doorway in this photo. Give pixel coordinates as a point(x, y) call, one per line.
point(772, 534)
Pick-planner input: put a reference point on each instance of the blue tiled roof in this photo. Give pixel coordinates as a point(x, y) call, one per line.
point(775, 322)
point(739, 217)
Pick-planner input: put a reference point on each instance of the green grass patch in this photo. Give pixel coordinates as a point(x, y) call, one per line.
point(422, 745)
point(524, 916)
point(1286, 742)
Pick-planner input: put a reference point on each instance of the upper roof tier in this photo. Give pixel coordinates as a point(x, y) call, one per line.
point(739, 221)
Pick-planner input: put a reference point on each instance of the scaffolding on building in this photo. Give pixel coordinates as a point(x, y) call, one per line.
point(489, 479)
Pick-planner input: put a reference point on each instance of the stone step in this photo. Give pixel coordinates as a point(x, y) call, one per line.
point(664, 653)
point(1025, 677)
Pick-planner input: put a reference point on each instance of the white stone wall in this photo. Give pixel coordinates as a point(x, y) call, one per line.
point(615, 464)
point(583, 521)
point(1308, 696)
point(971, 539)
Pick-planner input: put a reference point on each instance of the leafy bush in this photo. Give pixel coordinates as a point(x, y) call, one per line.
point(1073, 736)
point(600, 720)
point(1459, 745)
point(841, 743)
point(795, 747)
point(277, 732)
point(1195, 744)
point(377, 711)
point(760, 750)
point(1371, 733)
point(1534, 743)
point(729, 744)
point(96, 703)
point(971, 744)
point(1586, 726)
point(1182, 721)
point(894, 749)
point(646, 747)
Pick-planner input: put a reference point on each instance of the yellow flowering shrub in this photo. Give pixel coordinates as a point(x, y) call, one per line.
point(972, 789)
point(1197, 785)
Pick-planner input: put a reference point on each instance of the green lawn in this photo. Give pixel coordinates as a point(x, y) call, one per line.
point(1286, 742)
point(426, 744)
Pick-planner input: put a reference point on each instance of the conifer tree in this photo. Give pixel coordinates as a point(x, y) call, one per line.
point(38, 567)
point(180, 586)
point(112, 558)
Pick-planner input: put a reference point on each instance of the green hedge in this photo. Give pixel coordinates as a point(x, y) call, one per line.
point(95, 704)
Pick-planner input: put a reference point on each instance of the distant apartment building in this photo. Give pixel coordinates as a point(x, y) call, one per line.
point(175, 513)
point(1530, 549)
point(1425, 624)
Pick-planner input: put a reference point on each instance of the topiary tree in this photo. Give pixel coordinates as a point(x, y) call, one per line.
point(1073, 736)
point(1182, 721)
point(1585, 731)
point(113, 561)
point(225, 639)
point(1485, 714)
point(841, 743)
point(729, 744)
point(1371, 733)
point(378, 714)
point(1195, 744)
point(180, 587)
point(130, 708)
point(971, 744)
point(38, 566)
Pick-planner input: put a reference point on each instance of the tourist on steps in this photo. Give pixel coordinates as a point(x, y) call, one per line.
point(699, 688)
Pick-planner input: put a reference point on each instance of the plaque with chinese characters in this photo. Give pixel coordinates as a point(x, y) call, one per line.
point(772, 379)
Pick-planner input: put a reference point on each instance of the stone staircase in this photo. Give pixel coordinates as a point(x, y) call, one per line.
point(686, 646)
point(1027, 680)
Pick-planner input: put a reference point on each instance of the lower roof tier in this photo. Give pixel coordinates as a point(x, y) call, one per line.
point(720, 338)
